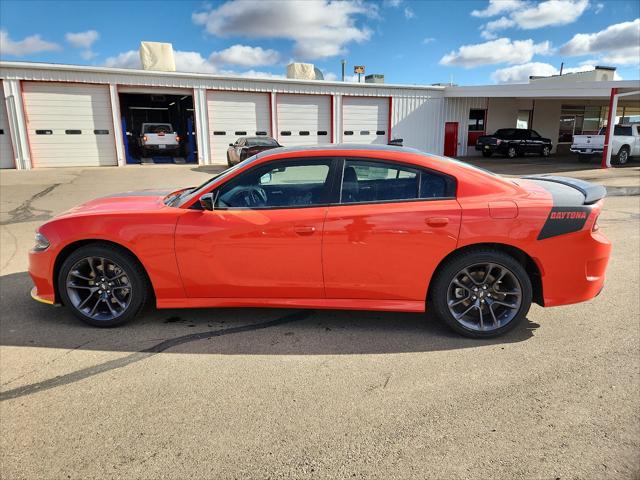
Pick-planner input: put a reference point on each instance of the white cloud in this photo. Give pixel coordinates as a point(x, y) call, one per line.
point(185, 62)
point(488, 29)
point(192, 62)
point(318, 28)
point(391, 3)
point(550, 13)
point(129, 59)
point(598, 8)
point(521, 73)
point(618, 43)
point(501, 50)
point(529, 16)
point(428, 40)
point(245, 56)
point(496, 7)
point(26, 46)
point(82, 39)
point(409, 13)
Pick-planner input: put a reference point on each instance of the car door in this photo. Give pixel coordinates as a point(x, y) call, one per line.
point(263, 238)
point(392, 226)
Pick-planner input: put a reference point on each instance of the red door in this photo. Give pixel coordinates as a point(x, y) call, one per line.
point(451, 139)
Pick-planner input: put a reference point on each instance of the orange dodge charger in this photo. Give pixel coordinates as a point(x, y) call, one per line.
point(342, 227)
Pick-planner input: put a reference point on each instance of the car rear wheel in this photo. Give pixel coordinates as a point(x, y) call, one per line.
point(481, 293)
point(545, 151)
point(103, 285)
point(487, 154)
point(623, 156)
point(512, 152)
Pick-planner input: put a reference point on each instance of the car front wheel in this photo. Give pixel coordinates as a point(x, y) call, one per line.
point(102, 285)
point(512, 152)
point(545, 151)
point(481, 293)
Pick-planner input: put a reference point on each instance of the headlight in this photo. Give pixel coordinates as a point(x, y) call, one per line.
point(41, 243)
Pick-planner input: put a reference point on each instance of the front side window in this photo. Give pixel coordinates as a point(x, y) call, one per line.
point(281, 184)
point(366, 181)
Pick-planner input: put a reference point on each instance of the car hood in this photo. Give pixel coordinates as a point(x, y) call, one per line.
point(137, 201)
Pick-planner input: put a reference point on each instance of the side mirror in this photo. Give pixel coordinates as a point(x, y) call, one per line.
point(231, 145)
point(206, 201)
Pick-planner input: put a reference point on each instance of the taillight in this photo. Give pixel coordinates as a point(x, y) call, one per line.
point(595, 227)
point(144, 138)
point(177, 138)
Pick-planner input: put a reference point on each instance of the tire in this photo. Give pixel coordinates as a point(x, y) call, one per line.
point(623, 156)
point(512, 152)
point(502, 319)
point(487, 154)
point(129, 285)
point(546, 150)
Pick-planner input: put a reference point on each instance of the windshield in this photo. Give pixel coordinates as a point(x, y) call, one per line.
point(261, 142)
point(190, 193)
point(157, 128)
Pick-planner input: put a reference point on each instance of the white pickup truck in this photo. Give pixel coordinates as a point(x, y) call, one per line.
point(158, 138)
point(624, 144)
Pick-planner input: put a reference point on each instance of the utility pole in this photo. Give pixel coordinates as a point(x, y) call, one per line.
point(344, 65)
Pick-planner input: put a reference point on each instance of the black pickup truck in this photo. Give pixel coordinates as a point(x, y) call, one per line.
point(513, 142)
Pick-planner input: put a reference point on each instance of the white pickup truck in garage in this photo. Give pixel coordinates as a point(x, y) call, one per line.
point(159, 138)
point(624, 144)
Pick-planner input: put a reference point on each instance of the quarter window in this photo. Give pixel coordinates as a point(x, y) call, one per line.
point(371, 181)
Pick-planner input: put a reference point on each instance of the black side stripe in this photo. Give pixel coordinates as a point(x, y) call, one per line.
point(563, 220)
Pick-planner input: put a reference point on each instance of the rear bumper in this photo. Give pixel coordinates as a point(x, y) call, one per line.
point(586, 151)
point(573, 267)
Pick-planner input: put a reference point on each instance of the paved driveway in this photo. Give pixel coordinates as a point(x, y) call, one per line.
point(252, 393)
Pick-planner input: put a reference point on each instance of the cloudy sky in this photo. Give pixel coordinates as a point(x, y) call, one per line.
point(421, 42)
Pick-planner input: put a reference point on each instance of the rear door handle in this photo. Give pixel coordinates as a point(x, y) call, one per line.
point(437, 221)
point(305, 230)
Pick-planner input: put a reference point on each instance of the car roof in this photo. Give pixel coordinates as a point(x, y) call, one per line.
point(342, 147)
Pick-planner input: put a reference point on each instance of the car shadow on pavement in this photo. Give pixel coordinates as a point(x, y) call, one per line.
point(250, 331)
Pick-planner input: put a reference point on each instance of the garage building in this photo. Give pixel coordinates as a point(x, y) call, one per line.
point(66, 115)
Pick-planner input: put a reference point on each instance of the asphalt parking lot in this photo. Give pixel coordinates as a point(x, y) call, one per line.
point(252, 393)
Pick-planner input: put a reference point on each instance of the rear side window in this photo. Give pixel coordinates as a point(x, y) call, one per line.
point(365, 181)
point(620, 130)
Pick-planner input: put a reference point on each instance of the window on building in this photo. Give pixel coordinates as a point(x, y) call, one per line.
point(476, 120)
point(523, 119)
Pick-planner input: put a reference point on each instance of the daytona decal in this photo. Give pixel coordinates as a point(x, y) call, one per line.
point(563, 220)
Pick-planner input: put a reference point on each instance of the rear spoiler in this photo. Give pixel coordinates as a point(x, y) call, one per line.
point(591, 192)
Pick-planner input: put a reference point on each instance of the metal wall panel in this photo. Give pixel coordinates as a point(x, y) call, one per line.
point(7, 159)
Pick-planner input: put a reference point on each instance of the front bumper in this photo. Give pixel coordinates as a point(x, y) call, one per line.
point(41, 273)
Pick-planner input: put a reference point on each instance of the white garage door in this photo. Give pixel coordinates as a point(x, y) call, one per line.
point(6, 152)
point(304, 119)
point(69, 124)
point(233, 115)
point(365, 120)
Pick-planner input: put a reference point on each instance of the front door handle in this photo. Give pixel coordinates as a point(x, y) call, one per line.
point(437, 221)
point(305, 230)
